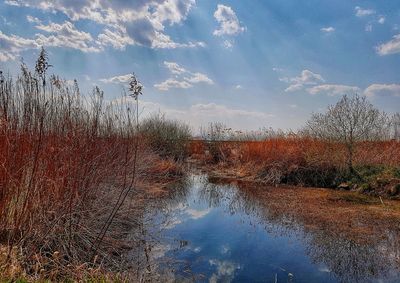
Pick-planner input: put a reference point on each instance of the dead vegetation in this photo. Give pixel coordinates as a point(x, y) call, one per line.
point(73, 175)
point(305, 160)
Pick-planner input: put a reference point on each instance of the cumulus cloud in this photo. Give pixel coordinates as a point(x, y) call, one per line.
point(382, 90)
point(328, 29)
point(12, 45)
point(381, 20)
point(333, 89)
point(360, 12)
point(228, 21)
point(182, 78)
point(390, 47)
point(65, 35)
point(125, 23)
point(53, 35)
point(117, 39)
point(306, 78)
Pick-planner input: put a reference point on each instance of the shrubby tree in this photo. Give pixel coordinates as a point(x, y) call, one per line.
point(352, 120)
point(169, 138)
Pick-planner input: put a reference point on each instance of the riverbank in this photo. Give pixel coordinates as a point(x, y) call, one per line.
point(304, 162)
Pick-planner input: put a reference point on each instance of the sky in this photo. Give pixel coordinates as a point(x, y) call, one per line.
point(248, 64)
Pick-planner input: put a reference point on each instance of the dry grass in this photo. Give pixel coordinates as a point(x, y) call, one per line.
point(293, 159)
point(67, 164)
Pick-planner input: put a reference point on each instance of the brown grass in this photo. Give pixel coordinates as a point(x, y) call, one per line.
point(67, 163)
point(293, 160)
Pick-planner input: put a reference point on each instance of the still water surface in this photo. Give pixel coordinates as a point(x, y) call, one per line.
point(219, 233)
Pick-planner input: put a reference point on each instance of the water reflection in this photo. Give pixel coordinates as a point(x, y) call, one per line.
point(214, 232)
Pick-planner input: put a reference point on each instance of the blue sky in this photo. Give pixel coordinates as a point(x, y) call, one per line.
point(249, 64)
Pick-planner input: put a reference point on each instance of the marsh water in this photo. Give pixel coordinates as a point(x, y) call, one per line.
point(205, 232)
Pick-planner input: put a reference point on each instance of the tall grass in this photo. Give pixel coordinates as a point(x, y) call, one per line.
point(67, 163)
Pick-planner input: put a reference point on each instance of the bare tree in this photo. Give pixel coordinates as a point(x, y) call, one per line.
point(352, 120)
point(396, 126)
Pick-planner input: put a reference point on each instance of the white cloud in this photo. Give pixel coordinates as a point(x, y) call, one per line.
point(294, 87)
point(328, 29)
point(173, 11)
point(31, 19)
point(139, 22)
point(333, 89)
point(163, 41)
point(390, 47)
point(382, 90)
point(381, 20)
point(228, 21)
point(65, 35)
point(306, 78)
point(172, 83)
point(12, 45)
point(360, 12)
point(196, 78)
point(183, 78)
point(55, 35)
point(117, 39)
point(174, 68)
point(117, 79)
point(238, 87)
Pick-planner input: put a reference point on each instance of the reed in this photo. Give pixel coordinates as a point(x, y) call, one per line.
point(68, 164)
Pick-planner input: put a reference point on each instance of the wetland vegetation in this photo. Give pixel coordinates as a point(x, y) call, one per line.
point(91, 191)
